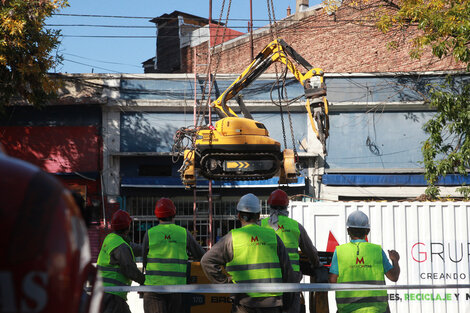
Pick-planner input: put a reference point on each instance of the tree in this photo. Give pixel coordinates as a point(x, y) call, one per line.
point(25, 50)
point(444, 27)
point(447, 150)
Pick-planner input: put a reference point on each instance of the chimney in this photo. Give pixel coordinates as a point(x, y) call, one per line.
point(288, 10)
point(302, 5)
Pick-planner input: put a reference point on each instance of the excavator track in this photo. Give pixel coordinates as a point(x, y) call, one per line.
point(239, 166)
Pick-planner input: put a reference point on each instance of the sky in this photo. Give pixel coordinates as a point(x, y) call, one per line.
point(123, 37)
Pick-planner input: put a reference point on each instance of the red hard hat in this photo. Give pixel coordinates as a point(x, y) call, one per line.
point(120, 220)
point(46, 261)
point(165, 208)
point(278, 198)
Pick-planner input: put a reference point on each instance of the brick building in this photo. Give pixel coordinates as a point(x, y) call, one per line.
point(342, 42)
point(175, 33)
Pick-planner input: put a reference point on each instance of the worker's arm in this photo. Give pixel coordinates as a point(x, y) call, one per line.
point(212, 262)
point(307, 247)
point(122, 256)
point(334, 271)
point(194, 247)
point(136, 248)
point(394, 273)
point(332, 278)
point(145, 249)
point(288, 275)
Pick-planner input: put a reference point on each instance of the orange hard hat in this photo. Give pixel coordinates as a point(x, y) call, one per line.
point(165, 208)
point(120, 220)
point(278, 198)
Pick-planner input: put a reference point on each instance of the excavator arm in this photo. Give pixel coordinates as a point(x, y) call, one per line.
point(276, 51)
point(240, 148)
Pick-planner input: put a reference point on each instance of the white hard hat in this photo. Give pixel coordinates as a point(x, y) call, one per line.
point(249, 203)
point(358, 219)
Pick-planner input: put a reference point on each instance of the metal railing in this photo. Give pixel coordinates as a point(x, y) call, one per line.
point(224, 216)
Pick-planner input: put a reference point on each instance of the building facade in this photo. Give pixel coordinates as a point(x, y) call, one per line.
point(110, 136)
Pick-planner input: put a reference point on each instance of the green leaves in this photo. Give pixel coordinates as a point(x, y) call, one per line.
point(444, 26)
point(447, 150)
point(25, 50)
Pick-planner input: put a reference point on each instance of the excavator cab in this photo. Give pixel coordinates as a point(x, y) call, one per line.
point(240, 148)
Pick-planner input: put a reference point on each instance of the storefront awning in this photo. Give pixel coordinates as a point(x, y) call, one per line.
point(175, 182)
point(390, 180)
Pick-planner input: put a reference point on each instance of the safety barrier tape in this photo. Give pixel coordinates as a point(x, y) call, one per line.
point(286, 287)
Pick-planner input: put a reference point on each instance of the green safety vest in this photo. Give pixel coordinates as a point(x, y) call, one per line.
point(255, 258)
point(110, 272)
point(289, 232)
point(167, 258)
point(361, 263)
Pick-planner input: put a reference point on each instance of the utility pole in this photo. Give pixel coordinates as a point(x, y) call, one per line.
point(251, 30)
point(210, 120)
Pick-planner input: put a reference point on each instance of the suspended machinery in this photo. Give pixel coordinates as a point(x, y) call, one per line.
point(239, 148)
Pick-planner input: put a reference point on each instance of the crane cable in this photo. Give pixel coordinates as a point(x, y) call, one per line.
point(282, 94)
point(185, 136)
point(273, 33)
point(219, 54)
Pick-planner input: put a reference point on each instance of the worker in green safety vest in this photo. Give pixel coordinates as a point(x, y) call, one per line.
point(250, 254)
point(165, 258)
point(294, 236)
point(116, 264)
point(359, 262)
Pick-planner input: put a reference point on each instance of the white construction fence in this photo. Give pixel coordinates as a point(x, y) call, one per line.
point(432, 239)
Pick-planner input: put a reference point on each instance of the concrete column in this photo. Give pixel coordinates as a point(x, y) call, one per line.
point(111, 145)
point(315, 163)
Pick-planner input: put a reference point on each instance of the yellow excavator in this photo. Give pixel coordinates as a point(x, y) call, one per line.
point(239, 148)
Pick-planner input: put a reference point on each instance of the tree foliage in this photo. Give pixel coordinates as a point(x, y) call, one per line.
point(447, 150)
point(25, 50)
point(442, 25)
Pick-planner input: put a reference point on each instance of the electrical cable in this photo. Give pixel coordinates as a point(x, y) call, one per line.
point(101, 61)
point(93, 66)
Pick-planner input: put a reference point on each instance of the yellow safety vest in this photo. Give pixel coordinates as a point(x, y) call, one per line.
point(361, 263)
point(167, 258)
point(110, 272)
point(289, 233)
point(255, 258)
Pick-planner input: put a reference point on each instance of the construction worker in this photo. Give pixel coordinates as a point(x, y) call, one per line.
point(250, 254)
point(165, 258)
point(362, 262)
point(294, 236)
point(46, 262)
point(116, 263)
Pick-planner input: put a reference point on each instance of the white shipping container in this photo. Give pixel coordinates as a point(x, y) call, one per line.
point(432, 239)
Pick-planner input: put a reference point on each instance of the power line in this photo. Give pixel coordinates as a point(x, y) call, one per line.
point(101, 61)
point(94, 25)
point(144, 36)
point(92, 66)
point(155, 17)
point(106, 16)
point(290, 28)
point(109, 36)
point(132, 26)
